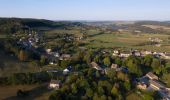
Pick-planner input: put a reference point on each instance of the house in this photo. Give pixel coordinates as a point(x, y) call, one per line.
point(114, 66)
point(96, 66)
point(116, 52)
point(167, 56)
point(136, 53)
point(142, 86)
point(144, 53)
point(54, 84)
point(125, 55)
point(154, 84)
point(51, 63)
point(143, 83)
point(165, 93)
point(152, 76)
point(48, 50)
point(65, 57)
point(67, 70)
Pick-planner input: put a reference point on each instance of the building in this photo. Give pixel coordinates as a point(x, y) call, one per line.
point(48, 50)
point(142, 86)
point(65, 57)
point(143, 83)
point(136, 53)
point(154, 84)
point(167, 56)
point(125, 55)
point(96, 66)
point(54, 84)
point(114, 66)
point(116, 52)
point(67, 70)
point(144, 53)
point(152, 76)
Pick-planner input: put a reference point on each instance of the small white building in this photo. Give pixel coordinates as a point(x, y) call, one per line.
point(125, 55)
point(66, 71)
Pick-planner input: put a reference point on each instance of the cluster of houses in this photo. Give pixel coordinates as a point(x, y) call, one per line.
point(151, 82)
point(113, 66)
point(30, 41)
point(54, 56)
point(137, 53)
point(155, 40)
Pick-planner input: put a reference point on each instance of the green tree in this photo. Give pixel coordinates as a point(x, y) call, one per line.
point(42, 60)
point(118, 61)
point(97, 59)
point(97, 74)
point(156, 66)
point(134, 66)
point(100, 90)
point(148, 60)
point(127, 85)
point(74, 88)
point(89, 92)
point(107, 61)
point(111, 73)
point(114, 91)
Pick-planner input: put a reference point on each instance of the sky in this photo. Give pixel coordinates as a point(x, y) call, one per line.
point(87, 9)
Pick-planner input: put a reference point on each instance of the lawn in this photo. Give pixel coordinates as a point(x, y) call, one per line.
point(36, 92)
point(10, 64)
point(133, 96)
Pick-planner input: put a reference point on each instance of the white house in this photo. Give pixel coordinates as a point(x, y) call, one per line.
point(66, 71)
point(125, 55)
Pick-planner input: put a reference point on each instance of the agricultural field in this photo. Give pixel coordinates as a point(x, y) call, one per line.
point(127, 40)
point(101, 39)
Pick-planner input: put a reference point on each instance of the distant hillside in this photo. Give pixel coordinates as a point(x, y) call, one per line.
point(166, 23)
point(11, 25)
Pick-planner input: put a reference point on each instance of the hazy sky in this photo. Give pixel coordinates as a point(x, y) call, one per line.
point(87, 9)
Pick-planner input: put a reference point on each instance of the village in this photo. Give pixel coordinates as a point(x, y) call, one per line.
point(66, 65)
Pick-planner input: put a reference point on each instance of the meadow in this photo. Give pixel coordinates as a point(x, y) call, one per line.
point(128, 40)
point(101, 39)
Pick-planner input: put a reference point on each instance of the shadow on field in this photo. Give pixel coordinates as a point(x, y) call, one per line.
point(31, 94)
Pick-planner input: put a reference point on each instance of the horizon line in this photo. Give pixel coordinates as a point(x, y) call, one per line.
point(88, 20)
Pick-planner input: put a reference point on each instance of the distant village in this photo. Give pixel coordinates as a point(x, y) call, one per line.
point(143, 53)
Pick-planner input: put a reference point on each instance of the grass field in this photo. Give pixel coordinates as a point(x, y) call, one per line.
point(36, 92)
point(133, 96)
point(97, 39)
point(12, 65)
point(127, 40)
